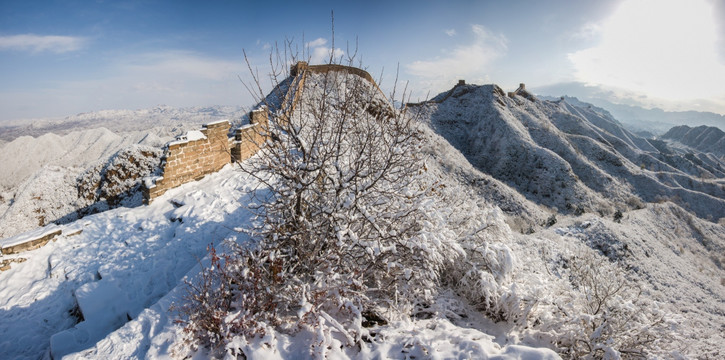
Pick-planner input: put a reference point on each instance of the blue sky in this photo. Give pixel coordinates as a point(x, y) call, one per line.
point(59, 58)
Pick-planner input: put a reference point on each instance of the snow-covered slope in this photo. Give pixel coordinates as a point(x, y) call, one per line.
point(124, 261)
point(41, 182)
point(637, 118)
point(25, 155)
point(575, 159)
point(702, 138)
point(41, 158)
point(125, 269)
point(132, 262)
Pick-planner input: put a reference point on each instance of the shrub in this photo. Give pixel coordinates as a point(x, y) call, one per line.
point(346, 229)
point(618, 216)
point(605, 317)
point(350, 229)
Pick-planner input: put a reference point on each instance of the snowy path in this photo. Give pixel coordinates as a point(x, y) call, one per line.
point(124, 261)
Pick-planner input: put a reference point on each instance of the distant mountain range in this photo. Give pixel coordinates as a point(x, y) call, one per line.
point(702, 138)
point(122, 120)
point(637, 118)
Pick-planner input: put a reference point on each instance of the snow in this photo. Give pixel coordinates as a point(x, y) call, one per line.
point(567, 157)
point(26, 155)
point(139, 254)
point(56, 194)
point(192, 135)
point(217, 122)
point(130, 264)
point(169, 120)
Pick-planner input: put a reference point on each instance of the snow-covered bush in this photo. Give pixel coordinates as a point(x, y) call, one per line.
point(604, 316)
point(116, 181)
point(484, 274)
point(233, 296)
point(346, 229)
point(347, 209)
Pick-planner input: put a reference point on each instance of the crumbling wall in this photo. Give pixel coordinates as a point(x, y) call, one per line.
point(249, 138)
point(191, 159)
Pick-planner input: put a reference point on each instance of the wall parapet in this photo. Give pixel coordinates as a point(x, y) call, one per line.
point(202, 152)
point(248, 139)
point(191, 158)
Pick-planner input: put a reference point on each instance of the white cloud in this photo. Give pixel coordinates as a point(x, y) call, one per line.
point(41, 43)
point(665, 49)
point(317, 43)
point(450, 32)
point(319, 53)
point(468, 61)
point(589, 31)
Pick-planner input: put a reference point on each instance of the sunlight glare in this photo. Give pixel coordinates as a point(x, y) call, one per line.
point(665, 49)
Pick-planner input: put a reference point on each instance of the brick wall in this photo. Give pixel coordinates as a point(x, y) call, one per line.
point(248, 139)
point(189, 160)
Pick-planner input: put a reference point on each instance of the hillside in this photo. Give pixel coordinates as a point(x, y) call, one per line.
point(637, 118)
point(702, 138)
point(574, 159)
point(44, 160)
point(538, 230)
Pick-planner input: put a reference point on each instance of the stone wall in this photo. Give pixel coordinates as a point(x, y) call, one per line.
point(249, 138)
point(192, 158)
point(300, 67)
point(207, 151)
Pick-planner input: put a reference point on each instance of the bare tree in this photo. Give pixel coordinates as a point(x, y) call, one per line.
point(345, 192)
point(342, 237)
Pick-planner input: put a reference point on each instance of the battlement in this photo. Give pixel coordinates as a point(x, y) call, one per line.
point(298, 68)
point(521, 91)
point(301, 66)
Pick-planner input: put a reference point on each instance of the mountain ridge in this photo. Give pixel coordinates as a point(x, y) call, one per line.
point(567, 157)
point(703, 138)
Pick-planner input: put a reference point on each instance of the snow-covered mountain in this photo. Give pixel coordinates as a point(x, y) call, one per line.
point(571, 158)
point(631, 112)
point(173, 120)
point(43, 159)
point(702, 138)
point(591, 235)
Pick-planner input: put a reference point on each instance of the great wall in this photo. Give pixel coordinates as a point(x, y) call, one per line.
point(200, 153)
point(209, 149)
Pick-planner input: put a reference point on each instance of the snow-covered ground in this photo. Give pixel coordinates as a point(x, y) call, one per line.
point(42, 160)
point(126, 268)
point(124, 261)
